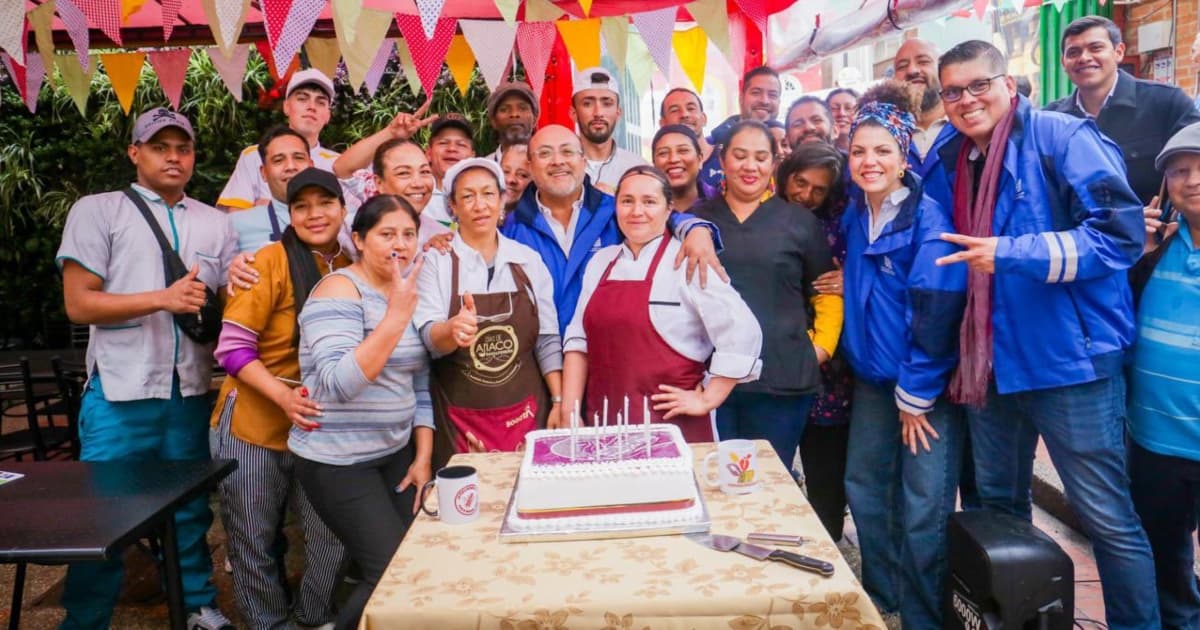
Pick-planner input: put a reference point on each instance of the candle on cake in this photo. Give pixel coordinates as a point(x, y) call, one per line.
point(646, 422)
point(596, 435)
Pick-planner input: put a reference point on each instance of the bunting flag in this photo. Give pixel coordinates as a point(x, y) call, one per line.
point(427, 54)
point(40, 20)
point(225, 18)
point(323, 54)
point(170, 11)
point(129, 7)
point(410, 67)
point(461, 62)
point(359, 53)
point(105, 14)
point(231, 68)
point(655, 28)
point(15, 71)
point(27, 78)
point(586, 5)
point(493, 43)
point(534, 41)
point(430, 11)
point(981, 7)
point(639, 64)
point(123, 70)
point(171, 67)
point(375, 72)
point(756, 12)
point(77, 29)
point(76, 78)
point(345, 18)
point(541, 11)
point(691, 48)
point(711, 16)
point(288, 23)
point(616, 38)
point(1059, 4)
point(12, 29)
point(508, 10)
point(582, 38)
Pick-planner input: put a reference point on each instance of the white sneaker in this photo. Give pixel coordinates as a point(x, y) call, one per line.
point(209, 619)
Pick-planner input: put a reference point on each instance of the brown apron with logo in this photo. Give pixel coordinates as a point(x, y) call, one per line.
point(493, 388)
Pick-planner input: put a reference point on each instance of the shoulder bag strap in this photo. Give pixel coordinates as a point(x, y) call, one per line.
point(167, 250)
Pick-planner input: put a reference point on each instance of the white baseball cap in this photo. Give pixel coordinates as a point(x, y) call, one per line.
point(597, 78)
point(310, 77)
point(476, 162)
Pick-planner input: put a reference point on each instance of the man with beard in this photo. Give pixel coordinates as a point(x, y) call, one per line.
point(809, 120)
point(595, 108)
point(916, 64)
point(759, 100)
point(513, 112)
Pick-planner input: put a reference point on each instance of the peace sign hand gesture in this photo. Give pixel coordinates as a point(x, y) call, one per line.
point(402, 296)
point(979, 253)
point(405, 125)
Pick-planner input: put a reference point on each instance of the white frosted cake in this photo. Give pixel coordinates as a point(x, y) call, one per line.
point(614, 480)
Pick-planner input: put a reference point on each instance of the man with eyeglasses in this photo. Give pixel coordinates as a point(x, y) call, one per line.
point(1049, 227)
point(1140, 116)
point(566, 219)
point(596, 108)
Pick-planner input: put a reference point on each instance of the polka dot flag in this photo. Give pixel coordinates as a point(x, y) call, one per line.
point(430, 11)
point(77, 28)
point(288, 23)
point(428, 53)
point(535, 41)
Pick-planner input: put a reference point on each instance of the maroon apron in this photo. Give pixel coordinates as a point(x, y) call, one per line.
point(627, 356)
point(493, 388)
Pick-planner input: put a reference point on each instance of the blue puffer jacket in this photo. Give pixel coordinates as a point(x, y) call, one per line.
point(902, 310)
point(1069, 227)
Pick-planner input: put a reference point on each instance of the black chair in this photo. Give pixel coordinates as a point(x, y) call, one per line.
point(21, 395)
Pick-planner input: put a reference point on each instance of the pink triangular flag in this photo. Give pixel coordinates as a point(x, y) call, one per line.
point(375, 72)
point(492, 43)
point(170, 10)
point(231, 69)
point(535, 40)
point(656, 29)
point(288, 23)
point(27, 78)
point(105, 14)
point(756, 11)
point(77, 28)
point(981, 7)
point(12, 29)
point(430, 11)
point(171, 67)
point(427, 53)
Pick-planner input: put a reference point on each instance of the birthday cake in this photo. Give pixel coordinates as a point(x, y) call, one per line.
point(639, 476)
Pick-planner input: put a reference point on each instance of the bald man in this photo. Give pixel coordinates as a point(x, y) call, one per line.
point(916, 63)
point(566, 219)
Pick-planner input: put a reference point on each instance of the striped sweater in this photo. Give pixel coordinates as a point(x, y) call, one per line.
point(363, 419)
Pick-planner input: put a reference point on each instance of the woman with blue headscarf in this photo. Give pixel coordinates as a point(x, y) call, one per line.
point(900, 335)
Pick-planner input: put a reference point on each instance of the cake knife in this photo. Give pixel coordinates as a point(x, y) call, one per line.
point(730, 543)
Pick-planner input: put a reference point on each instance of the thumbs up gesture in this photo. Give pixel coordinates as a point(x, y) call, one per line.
point(465, 324)
point(185, 295)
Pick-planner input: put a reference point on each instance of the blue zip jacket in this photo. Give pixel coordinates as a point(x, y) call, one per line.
point(902, 311)
point(932, 176)
point(1069, 227)
point(596, 228)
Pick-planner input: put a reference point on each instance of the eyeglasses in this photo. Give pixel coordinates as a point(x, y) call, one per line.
point(976, 88)
point(498, 317)
point(566, 153)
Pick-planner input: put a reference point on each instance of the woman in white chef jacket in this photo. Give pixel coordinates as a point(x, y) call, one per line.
point(641, 330)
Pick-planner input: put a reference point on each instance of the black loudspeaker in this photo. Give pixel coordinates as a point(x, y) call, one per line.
point(1006, 573)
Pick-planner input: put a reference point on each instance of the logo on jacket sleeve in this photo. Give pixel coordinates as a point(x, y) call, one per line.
point(887, 267)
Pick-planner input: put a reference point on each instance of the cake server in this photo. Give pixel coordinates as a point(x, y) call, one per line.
point(730, 543)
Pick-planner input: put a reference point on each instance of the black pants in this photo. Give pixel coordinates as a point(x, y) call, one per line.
point(359, 506)
point(823, 454)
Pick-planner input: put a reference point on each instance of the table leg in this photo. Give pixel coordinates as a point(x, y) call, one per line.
point(14, 618)
point(170, 549)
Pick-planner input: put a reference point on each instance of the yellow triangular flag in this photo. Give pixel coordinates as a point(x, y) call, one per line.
point(77, 82)
point(345, 18)
point(461, 62)
point(40, 20)
point(410, 68)
point(124, 70)
point(691, 48)
point(582, 38)
point(586, 5)
point(541, 11)
point(711, 16)
point(129, 7)
point(616, 38)
point(508, 10)
point(370, 31)
point(323, 54)
point(639, 64)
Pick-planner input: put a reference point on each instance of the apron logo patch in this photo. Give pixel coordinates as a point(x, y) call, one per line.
point(495, 349)
point(526, 414)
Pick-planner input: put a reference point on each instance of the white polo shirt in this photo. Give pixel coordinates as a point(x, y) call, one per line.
point(107, 235)
point(246, 186)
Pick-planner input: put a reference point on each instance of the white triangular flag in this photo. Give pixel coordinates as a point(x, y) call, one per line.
point(492, 43)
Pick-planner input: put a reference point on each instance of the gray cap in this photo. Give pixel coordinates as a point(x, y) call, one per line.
point(157, 119)
point(1187, 140)
point(502, 91)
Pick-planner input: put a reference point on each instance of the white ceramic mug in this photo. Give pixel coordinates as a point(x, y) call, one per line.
point(737, 467)
point(457, 495)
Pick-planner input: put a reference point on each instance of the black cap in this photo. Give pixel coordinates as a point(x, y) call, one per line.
point(313, 176)
point(457, 121)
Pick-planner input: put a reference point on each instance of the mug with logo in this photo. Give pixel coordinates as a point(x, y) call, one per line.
point(737, 467)
point(457, 495)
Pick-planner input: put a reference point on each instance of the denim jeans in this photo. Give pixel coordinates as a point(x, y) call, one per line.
point(1166, 493)
point(779, 420)
point(1083, 427)
point(901, 503)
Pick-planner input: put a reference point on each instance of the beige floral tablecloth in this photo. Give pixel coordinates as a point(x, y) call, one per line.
point(446, 576)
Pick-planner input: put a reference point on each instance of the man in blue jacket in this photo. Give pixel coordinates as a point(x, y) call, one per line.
point(566, 219)
point(1049, 227)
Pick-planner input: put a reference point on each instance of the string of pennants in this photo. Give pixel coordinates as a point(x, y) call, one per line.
point(430, 40)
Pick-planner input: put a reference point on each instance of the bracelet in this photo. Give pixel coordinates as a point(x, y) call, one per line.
point(556, 399)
